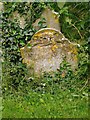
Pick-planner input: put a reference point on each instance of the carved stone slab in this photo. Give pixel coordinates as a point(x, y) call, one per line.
point(19, 18)
point(47, 49)
point(51, 17)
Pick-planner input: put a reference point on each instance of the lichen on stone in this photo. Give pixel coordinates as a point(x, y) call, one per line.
point(46, 50)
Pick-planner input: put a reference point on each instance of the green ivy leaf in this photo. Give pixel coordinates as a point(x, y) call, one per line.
point(41, 100)
point(22, 43)
point(64, 10)
point(29, 45)
point(68, 20)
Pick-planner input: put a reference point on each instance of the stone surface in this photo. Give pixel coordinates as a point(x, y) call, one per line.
point(47, 49)
point(51, 17)
point(20, 19)
point(1, 6)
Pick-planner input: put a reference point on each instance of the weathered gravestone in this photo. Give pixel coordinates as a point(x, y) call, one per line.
point(20, 19)
point(1, 6)
point(51, 19)
point(47, 49)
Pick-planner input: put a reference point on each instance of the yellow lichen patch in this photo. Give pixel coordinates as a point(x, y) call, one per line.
point(39, 46)
point(49, 60)
point(57, 34)
point(25, 61)
point(37, 35)
point(53, 41)
point(45, 31)
point(35, 38)
point(28, 61)
point(50, 34)
point(54, 47)
point(73, 51)
point(56, 20)
point(71, 46)
point(48, 26)
point(75, 58)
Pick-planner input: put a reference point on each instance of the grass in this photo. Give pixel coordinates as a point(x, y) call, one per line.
point(63, 94)
point(61, 104)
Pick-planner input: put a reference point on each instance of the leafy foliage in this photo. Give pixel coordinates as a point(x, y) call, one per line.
point(74, 20)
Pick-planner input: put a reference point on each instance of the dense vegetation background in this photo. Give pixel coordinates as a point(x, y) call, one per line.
point(47, 93)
